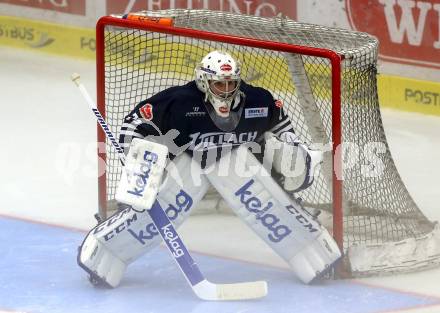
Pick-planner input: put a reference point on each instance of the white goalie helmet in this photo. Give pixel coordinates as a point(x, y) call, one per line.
point(218, 77)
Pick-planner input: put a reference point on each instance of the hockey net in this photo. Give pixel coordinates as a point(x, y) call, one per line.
point(326, 80)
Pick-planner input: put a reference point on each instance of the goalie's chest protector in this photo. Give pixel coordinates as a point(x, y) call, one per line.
point(191, 118)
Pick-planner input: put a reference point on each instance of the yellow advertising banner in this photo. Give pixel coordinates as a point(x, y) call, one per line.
point(394, 92)
point(47, 37)
point(409, 94)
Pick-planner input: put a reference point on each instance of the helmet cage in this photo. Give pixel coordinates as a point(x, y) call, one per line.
point(221, 68)
point(213, 93)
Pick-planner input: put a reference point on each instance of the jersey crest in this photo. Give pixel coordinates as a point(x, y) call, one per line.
point(147, 111)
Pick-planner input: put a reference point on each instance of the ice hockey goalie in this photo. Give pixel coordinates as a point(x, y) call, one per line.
point(220, 132)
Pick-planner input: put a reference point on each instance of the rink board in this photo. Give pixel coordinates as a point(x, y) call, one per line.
point(39, 274)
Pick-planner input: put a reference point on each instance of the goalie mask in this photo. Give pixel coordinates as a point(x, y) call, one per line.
point(218, 77)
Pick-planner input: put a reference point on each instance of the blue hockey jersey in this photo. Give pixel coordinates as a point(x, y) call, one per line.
point(179, 118)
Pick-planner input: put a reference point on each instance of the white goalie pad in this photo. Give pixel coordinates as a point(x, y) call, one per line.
point(280, 221)
point(142, 174)
point(292, 159)
point(116, 242)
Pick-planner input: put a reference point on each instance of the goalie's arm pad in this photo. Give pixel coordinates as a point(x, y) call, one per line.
point(280, 221)
point(295, 161)
point(116, 242)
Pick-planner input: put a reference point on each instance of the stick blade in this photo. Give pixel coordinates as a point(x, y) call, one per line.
point(242, 291)
point(230, 292)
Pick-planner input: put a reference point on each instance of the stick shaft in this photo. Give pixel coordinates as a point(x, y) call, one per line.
point(99, 117)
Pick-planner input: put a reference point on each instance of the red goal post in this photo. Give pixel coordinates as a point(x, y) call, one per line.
point(326, 78)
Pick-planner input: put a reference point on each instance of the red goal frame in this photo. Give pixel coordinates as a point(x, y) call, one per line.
point(335, 61)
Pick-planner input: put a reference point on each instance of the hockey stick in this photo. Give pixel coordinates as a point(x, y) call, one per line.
point(76, 79)
point(203, 288)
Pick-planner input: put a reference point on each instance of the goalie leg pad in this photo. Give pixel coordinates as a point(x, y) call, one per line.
point(122, 238)
point(104, 268)
point(276, 218)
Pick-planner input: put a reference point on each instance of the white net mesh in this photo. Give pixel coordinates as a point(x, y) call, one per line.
point(377, 207)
